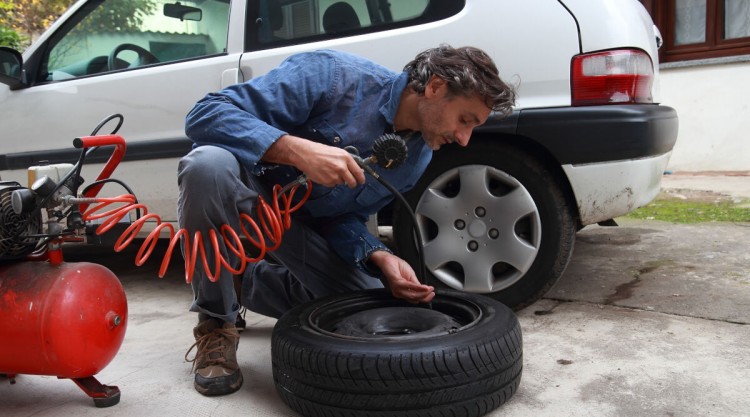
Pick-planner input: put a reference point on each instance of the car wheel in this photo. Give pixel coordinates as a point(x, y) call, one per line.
point(494, 220)
point(367, 353)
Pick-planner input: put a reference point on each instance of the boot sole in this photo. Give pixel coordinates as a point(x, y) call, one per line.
point(218, 386)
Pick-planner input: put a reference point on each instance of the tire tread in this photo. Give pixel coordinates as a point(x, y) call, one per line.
point(463, 375)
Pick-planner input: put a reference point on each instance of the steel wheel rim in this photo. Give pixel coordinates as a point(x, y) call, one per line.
point(386, 319)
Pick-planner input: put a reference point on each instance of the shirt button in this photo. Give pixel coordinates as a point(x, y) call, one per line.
point(336, 139)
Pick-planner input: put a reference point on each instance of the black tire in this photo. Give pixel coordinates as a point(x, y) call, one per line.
point(509, 234)
point(368, 354)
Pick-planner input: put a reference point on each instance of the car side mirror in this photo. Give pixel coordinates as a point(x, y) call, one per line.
point(11, 68)
point(182, 12)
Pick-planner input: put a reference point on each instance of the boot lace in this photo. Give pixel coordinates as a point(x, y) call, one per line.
point(209, 344)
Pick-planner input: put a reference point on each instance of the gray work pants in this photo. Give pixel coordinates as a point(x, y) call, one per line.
point(214, 190)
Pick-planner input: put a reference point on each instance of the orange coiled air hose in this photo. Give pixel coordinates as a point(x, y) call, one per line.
point(274, 221)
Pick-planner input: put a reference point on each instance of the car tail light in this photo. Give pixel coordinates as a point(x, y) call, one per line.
point(612, 77)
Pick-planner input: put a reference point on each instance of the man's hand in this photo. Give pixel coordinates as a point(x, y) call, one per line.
point(323, 164)
point(401, 278)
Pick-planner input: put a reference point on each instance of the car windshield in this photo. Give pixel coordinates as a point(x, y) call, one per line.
point(109, 36)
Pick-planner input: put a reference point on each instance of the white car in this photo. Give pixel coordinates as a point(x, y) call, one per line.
point(587, 141)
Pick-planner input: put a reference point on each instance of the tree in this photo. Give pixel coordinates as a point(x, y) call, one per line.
point(121, 15)
point(29, 18)
point(8, 36)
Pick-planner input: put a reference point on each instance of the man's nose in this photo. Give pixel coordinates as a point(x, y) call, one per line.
point(463, 136)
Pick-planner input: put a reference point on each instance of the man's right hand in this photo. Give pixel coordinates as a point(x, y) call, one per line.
point(323, 164)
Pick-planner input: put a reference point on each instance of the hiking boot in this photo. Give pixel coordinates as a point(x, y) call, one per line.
point(240, 323)
point(215, 362)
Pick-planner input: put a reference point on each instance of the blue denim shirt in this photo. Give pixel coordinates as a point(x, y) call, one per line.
point(329, 97)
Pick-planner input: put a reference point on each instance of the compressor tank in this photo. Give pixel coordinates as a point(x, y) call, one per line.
point(66, 320)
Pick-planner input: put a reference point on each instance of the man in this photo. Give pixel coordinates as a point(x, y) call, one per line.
point(298, 119)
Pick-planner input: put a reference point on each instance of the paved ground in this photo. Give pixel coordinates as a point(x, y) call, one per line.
point(735, 184)
point(650, 319)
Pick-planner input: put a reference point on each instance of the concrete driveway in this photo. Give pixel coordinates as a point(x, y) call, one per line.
point(650, 319)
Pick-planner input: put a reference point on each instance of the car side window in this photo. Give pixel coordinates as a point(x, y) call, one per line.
point(273, 23)
point(107, 36)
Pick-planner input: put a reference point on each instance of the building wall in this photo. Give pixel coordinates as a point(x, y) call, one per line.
point(712, 100)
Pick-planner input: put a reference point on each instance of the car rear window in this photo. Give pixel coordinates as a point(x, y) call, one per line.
point(273, 23)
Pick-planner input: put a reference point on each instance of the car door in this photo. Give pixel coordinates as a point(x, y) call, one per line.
point(149, 60)
point(381, 30)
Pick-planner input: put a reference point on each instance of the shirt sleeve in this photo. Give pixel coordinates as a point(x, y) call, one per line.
point(248, 118)
point(351, 240)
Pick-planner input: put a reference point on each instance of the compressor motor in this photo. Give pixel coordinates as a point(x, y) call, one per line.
point(21, 230)
point(16, 229)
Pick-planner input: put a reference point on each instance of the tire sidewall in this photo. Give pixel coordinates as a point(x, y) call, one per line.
point(473, 369)
point(295, 326)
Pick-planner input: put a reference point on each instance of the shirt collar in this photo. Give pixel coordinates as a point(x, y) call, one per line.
point(388, 110)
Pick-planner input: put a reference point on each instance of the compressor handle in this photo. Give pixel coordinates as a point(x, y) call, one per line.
point(118, 141)
point(99, 140)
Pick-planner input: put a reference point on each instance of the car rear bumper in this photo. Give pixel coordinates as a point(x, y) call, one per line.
point(606, 190)
point(593, 134)
point(581, 135)
point(613, 156)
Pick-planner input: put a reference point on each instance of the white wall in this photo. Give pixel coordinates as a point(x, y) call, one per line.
point(712, 103)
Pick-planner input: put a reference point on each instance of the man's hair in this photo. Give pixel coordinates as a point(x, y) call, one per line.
point(467, 70)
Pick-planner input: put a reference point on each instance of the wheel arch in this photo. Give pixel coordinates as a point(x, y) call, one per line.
point(523, 143)
point(538, 151)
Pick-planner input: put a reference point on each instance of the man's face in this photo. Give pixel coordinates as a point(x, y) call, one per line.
point(446, 119)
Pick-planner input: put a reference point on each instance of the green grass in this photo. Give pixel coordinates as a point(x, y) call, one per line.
point(675, 210)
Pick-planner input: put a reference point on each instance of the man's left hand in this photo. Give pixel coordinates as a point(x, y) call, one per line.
point(401, 278)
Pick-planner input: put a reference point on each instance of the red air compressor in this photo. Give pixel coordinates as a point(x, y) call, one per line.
point(56, 318)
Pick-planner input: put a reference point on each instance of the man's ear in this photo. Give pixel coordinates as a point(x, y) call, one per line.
point(435, 87)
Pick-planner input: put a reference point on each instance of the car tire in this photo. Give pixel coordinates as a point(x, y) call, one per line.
point(367, 353)
point(508, 234)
